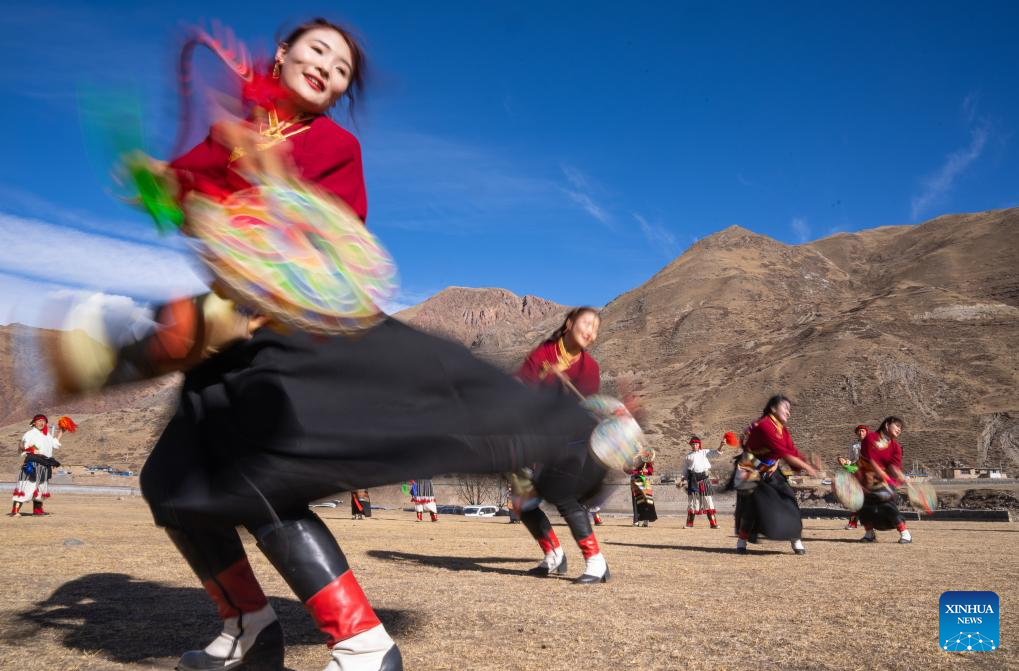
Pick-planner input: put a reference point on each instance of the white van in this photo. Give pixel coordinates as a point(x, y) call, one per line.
point(480, 511)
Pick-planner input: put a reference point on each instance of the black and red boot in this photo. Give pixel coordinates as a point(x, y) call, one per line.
point(538, 524)
point(252, 638)
point(307, 556)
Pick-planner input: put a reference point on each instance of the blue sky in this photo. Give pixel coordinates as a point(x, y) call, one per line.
point(568, 151)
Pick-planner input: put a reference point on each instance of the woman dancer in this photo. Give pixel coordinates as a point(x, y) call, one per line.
point(736, 478)
point(642, 495)
point(861, 432)
point(360, 504)
point(771, 507)
point(696, 473)
point(563, 364)
point(880, 471)
point(423, 497)
point(282, 418)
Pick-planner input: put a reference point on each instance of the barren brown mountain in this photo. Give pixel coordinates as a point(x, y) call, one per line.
point(918, 321)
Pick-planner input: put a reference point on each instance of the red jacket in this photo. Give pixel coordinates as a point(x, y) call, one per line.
point(891, 455)
point(584, 373)
point(769, 440)
point(325, 155)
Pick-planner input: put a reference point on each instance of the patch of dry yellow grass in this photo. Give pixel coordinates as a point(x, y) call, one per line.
point(455, 597)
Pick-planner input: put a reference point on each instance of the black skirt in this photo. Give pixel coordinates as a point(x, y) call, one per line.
point(645, 505)
point(771, 509)
point(281, 420)
point(880, 511)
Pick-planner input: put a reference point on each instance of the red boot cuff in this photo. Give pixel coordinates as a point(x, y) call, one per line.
point(341, 609)
point(589, 546)
point(236, 590)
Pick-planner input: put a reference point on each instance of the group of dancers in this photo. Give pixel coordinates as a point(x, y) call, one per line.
point(271, 419)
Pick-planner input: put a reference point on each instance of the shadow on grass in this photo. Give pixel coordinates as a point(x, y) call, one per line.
point(130, 620)
point(986, 531)
point(696, 548)
point(853, 541)
point(476, 564)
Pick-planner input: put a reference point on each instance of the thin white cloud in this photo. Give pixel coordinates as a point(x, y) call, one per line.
point(406, 298)
point(575, 177)
point(19, 202)
point(581, 194)
point(659, 237)
point(38, 251)
point(426, 182)
point(800, 229)
point(420, 181)
point(936, 186)
point(969, 107)
point(588, 205)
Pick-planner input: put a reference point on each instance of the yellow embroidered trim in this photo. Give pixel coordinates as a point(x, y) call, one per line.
point(564, 360)
point(275, 132)
point(778, 424)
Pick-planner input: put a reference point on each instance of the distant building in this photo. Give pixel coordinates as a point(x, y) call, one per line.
point(960, 473)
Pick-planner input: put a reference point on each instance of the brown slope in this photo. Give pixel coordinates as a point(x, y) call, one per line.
point(494, 323)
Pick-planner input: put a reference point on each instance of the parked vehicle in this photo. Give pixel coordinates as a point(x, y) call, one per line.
point(480, 511)
point(448, 510)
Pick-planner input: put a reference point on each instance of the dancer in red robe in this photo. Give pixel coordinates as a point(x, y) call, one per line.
point(770, 508)
point(879, 473)
point(562, 363)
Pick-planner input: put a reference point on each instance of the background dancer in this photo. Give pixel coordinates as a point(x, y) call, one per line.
point(735, 482)
point(360, 504)
point(880, 471)
point(423, 498)
point(37, 446)
point(696, 474)
point(641, 492)
point(771, 508)
point(272, 422)
point(563, 363)
point(853, 456)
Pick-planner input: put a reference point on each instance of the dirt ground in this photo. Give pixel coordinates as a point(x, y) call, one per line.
point(97, 586)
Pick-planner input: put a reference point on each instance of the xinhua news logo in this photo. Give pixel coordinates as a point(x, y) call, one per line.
point(968, 621)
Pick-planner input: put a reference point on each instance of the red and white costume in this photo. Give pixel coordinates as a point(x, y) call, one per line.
point(33, 480)
point(696, 470)
point(423, 498)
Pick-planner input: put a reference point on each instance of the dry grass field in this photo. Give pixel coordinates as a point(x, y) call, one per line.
point(97, 586)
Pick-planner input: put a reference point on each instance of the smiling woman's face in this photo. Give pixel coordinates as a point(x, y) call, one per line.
point(316, 69)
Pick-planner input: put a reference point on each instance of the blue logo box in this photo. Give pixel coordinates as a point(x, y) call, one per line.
point(968, 621)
